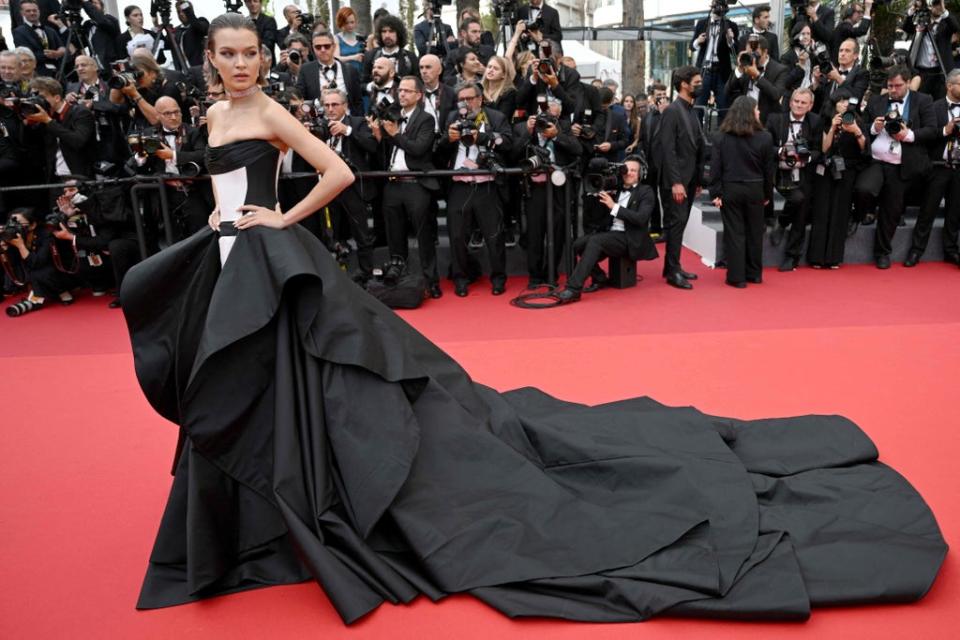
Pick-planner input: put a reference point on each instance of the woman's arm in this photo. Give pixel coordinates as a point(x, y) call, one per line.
point(336, 176)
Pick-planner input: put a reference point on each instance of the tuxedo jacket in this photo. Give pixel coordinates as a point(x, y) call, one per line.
point(649, 129)
point(527, 93)
point(844, 31)
point(497, 123)
point(405, 64)
point(25, 36)
point(190, 147)
point(47, 8)
point(105, 36)
point(191, 39)
point(75, 135)
point(566, 147)
point(811, 130)
point(361, 148)
point(549, 18)
point(857, 81)
point(636, 222)
point(942, 40)
point(421, 36)
point(417, 143)
point(939, 141)
point(773, 42)
point(445, 104)
point(822, 29)
point(267, 28)
point(772, 84)
point(724, 54)
point(920, 119)
point(680, 146)
point(109, 120)
point(308, 83)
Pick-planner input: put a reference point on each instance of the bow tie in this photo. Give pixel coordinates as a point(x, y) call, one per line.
point(897, 102)
point(800, 122)
point(952, 105)
point(430, 94)
point(389, 55)
point(169, 133)
point(404, 119)
point(844, 72)
point(330, 68)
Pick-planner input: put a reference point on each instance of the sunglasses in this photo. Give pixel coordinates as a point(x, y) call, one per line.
point(322, 47)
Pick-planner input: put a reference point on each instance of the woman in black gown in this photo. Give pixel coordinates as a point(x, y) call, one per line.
point(324, 438)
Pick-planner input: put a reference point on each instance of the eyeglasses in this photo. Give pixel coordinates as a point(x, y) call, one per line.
point(468, 98)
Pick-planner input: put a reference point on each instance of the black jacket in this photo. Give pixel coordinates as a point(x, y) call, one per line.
point(724, 53)
point(360, 149)
point(450, 71)
point(308, 83)
point(636, 222)
point(844, 31)
point(75, 135)
point(404, 61)
point(773, 42)
point(942, 38)
point(417, 143)
point(772, 84)
point(498, 124)
point(109, 119)
point(811, 130)
point(742, 159)
point(267, 28)
point(938, 141)
point(681, 146)
point(421, 38)
point(191, 38)
point(649, 130)
point(549, 20)
point(25, 36)
point(614, 131)
point(566, 147)
point(445, 103)
point(857, 81)
point(920, 119)
point(106, 31)
point(527, 93)
point(47, 8)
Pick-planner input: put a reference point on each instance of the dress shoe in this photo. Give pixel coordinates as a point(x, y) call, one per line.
point(498, 289)
point(952, 258)
point(912, 259)
point(776, 236)
point(596, 284)
point(460, 288)
point(678, 281)
point(688, 275)
point(789, 264)
point(883, 262)
point(567, 295)
point(736, 285)
point(869, 219)
point(755, 280)
point(435, 291)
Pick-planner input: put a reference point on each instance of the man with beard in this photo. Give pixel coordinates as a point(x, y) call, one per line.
point(382, 86)
point(392, 36)
point(470, 32)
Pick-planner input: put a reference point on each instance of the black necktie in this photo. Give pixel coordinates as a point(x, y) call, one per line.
point(431, 94)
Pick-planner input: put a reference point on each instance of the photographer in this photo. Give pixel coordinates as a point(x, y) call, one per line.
point(540, 17)
point(650, 129)
point(845, 152)
point(102, 32)
point(759, 77)
point(544, 139)
point(11, 146)
point(742, 165)
point(295, 54)
point(821, 19)
point(855, 23)
point(931, 54)
point(475, 137)
point(266, 25)
point(470, 31)
point(92, 93)
point(191, 33)
point(682, 150)
point(714, 39)
point(902, 124)
point(800, 58)
point(291, 13)
point(68, 130)
point(392, 36)
point(27, 255)
point(797, 137)
point(606, 143)
point(407, 136)
point(141, 83)
point(543, 80)
point(847, 74)
point(627, 232)
point(761, 25)
point(42, 40)
point(428, 39)
point(383, 85)
point(326, 72)
point(944, 180)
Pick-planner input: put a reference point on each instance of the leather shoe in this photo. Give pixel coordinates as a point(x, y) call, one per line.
point(736, 285)
point(678, 281)
point(567, 295)
point(883, 262)
point(534, 283)
point(755, 280)
point(789, 264)
point(435, 291)
point(498, 289)
point(460, 288)
point(952, 258)
point(688, 275)
point(912, 259)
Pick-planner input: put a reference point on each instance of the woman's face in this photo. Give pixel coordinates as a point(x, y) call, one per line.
point(805, 36)
point(494, 71)
point(236, 57)
point(135, 19)
point(628, 103)
point(350, 24)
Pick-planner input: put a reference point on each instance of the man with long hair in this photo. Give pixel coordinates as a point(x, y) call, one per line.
point(392, 36)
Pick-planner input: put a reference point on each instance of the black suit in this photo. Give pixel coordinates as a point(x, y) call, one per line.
point(470, 200)
point(796, 211)
point(349, 208)
point(595, 214)
point(549, 19)
point(111, 145)
point(772, 85)
point(856, 81)
point(25, 36)
point(890, 181)
point(444, 102)
point(267, 28)
point(527, 93)
point(634, 241)
point(773, 43)
point(422, 33)
point(933, 72)
point(189, 202)
point(405, 64)
point(191, 37)
point(944, 182)
point(823, 27)
point(409, 198)
point(845, 31)
point(47, 8)
point(106, 31)
point(649, 129)
point(682, 148)
point(308, 84)
point(73, 133)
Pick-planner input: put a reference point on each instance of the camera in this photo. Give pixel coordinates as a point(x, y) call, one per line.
point(12, 229)
point(719, 7)
point(545, 64)
point(603, 175)
point(391, 271)
point(122, 74)
point(387, 110)
point(144, 144)
point(544, 121)
point(504, 10)
point(747, 58)
point(837, 166)
point(537, 158)
point(316, 121)
point(466, 127)
point(307, 21)
point(848, 118)
point(70, 12)
point(294, 56)
point(30, 104)
point(794, 153)
point(799, 7)
point(893, 121)
point(585, 120)
point(922, 17)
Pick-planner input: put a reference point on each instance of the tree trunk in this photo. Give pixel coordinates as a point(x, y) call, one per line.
point(364, 23)
point(633, 59)
point(465, 4)
point(334, 8)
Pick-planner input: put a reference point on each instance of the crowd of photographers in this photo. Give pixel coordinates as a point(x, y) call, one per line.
point(81, 99)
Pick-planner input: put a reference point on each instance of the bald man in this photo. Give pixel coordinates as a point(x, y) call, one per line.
point(383, 81)
point(439, 98)
point(291, 13)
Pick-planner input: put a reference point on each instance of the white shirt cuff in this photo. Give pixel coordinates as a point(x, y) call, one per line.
point(615, 210)
point(909, 137)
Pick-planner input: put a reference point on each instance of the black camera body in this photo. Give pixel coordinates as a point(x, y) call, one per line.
point(544, 121)
point(122, 74)
point(799, 7)
point(12, 229)
point(602, 175)
point(316, 122)
point(31, 104)
point(537, 158)
point(795, 153)
point(893, 121)
point(387, 110)
point(837, 165)
point(720, 7)
point(307, 20)
point(848, 118)
point(144, 144)
point(823, 61)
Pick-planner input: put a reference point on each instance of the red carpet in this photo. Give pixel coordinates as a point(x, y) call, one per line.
point(84, 474)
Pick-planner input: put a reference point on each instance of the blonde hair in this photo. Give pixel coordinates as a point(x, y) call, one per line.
point(493, 89)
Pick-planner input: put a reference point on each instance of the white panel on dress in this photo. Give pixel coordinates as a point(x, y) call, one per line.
point(231, 191)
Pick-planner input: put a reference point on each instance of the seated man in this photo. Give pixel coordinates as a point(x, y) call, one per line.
point(27, 252)
point(629, 233)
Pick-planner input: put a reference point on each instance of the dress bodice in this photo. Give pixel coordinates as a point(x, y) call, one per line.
point(243, 172)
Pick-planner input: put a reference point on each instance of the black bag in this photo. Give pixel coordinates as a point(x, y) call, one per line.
point(407, 293)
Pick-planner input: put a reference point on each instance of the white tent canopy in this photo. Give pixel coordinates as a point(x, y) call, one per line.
point(591, 64)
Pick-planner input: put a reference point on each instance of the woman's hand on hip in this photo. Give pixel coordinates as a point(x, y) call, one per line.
point(253, 215)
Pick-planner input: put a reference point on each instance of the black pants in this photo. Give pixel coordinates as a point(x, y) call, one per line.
point(480, 202)
point(932, 82)
point(796, 213)
point(410, 200)
point(537, 229)
point(124, 255)
point(882, 180)
point(743, 228)
point(944, 182)
point(592, 249)
point(828, 228)
point(675, 217)
point(656, 216)
point(351, 210)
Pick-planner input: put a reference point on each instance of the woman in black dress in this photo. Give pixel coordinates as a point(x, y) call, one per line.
point(742, 165)
point(845, 152)
point(324, 438)
point(498, 89)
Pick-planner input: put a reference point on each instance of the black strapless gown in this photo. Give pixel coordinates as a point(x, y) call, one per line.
point(324, 438)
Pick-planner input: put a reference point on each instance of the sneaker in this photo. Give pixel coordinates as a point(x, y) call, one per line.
point(22, 307)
